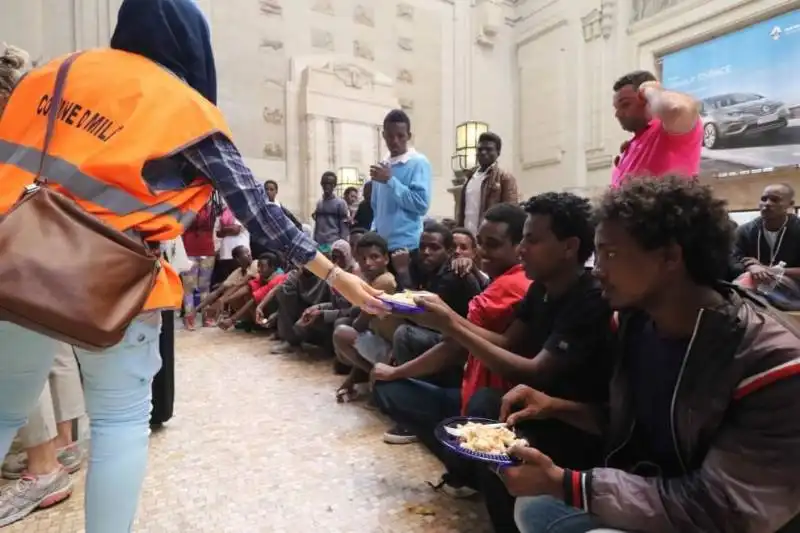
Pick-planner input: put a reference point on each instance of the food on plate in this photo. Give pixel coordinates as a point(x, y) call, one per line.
point(488, 438)
point(405, 298)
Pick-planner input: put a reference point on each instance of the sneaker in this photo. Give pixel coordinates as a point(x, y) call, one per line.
point(71, 458)
point(29, 493)
point(450, 486)
point(399, 435)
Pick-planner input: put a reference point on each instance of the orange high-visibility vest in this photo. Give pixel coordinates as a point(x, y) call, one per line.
point(118, 112)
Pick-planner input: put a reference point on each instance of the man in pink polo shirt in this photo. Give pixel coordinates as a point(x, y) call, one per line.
point(666, 126)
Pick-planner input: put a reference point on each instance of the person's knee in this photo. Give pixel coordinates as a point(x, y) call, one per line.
point(344, 335)
point(535, 514)
point(485, 403)
point(545, 514)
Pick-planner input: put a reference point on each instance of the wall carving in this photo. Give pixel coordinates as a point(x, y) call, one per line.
point(352, 76)
point(271, 44)
point(405, 43)
point(273, 116)
point(323, 6)
point(273, 150)
point(404, 75)
point(322, 39)
point(271, 7)
point(363, 50)
point(642, 9)
point(364, 15)
point(405, 11)
point(407, 104)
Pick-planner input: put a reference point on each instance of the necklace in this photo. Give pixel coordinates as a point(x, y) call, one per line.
point(775, 249)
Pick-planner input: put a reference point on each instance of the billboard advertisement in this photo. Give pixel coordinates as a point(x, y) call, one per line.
point(748, 86)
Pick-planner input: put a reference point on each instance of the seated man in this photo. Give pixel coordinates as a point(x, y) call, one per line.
point(556, 342)
point(368, 340)
point(465, 258)
point(232, 289)
point(268, 279)
point(465, 243)
point(702, 427)
point(435, 275)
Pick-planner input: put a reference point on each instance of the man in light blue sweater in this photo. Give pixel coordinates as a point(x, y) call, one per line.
point(401, 193)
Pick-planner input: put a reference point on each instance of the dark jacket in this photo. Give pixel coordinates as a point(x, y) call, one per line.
point(747, 243)
point(498, 187)
point(736, 419)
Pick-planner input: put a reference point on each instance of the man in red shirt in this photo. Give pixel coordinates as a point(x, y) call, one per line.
point(666, 126)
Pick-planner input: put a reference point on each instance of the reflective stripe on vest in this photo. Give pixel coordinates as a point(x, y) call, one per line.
point(86, 187)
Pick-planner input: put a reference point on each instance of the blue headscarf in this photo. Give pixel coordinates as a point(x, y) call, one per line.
point(173, 33)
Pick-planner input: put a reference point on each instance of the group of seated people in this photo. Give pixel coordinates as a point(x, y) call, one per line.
point(654, 396)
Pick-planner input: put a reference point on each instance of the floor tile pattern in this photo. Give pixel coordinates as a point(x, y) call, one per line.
point(258, 444)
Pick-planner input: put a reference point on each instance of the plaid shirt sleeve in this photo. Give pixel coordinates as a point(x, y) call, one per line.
point(218, 159)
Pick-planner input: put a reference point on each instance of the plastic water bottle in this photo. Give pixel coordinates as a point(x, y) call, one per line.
point(778, 272)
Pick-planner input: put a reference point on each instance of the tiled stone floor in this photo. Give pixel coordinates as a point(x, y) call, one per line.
point(258, 444)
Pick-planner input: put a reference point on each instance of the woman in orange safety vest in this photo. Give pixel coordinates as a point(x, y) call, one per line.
point(140, 144)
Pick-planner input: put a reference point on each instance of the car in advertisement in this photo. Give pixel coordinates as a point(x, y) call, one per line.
point(747, 85)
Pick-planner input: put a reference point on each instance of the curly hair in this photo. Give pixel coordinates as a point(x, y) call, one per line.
point(570, 216)
point(659, 211)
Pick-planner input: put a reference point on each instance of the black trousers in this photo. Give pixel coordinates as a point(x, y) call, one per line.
point(164, 382)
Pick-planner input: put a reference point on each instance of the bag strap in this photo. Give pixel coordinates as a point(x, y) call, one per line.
point(52, 114)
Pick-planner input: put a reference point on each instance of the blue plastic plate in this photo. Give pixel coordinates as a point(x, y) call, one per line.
point(452, 442)
point(401, 307)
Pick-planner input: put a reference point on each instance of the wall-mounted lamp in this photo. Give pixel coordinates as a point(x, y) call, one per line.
point(465, 156)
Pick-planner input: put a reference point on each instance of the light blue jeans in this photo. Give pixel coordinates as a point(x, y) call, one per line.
point(117, 389)
point(545, 514)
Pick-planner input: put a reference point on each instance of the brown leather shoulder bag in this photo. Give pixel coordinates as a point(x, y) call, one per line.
point(63, 272)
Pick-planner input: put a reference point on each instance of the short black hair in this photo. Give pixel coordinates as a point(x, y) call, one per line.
point(371, 239)
point(512, 215)
point(239, 250)
point(489, 137)
point(659, 211)
point(432, 226)
point(397, 116)
point(273, 182)
point(635, 78)
point(272, 259)
point(349, 189)
point(329, 173)
point(570, 216)
point(468, 233)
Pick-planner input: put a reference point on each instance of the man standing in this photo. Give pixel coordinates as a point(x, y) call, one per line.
point(486, 185)
point(331, 217)
point(401, 192)
point(667, 131)
point(771, 238)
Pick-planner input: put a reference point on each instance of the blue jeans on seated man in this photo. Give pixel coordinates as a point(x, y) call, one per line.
point(117, 389)
point(410, 341)
point(545, 514)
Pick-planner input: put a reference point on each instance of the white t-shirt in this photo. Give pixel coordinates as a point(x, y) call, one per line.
point(472, 202)
point(227, 244)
